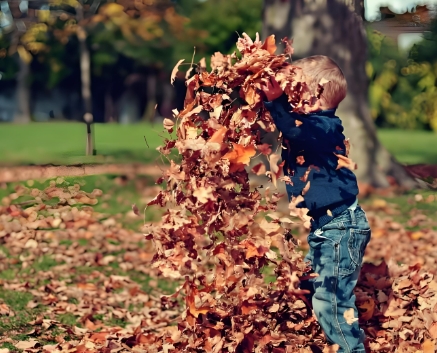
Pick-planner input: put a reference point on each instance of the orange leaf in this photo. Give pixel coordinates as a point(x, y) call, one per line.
point(270, 44)
point(192, 306)
point(428, 346)
point(300, 160)
point(240, 154)
point(219, 135)
point(99, 337)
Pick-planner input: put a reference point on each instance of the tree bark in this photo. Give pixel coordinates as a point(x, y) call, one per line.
point(22, 114)
point(335, 28)
point(151, 81)
point(22, 92)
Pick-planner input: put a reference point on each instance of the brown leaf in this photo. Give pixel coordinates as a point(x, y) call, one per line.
point(345, 162)
point(366, 309)
point(135, 209)
point(259, 169)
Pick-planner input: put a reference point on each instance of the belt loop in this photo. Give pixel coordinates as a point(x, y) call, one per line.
point(353, 219)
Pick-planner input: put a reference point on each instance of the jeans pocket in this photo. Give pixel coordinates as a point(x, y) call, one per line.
point(358, 240)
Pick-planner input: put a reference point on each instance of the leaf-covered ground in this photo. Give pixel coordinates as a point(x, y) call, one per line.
point(75, 272)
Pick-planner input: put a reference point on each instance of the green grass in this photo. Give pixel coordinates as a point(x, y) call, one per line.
point(410, 146)
point(17, 301)
point(63, 143)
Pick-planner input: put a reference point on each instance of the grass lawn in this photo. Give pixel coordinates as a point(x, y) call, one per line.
point(410, 146)
point(64, 143)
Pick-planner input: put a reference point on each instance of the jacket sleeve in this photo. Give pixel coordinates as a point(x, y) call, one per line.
point(308, 133)
point(284, 119)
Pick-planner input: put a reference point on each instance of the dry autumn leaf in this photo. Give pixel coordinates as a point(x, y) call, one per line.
point(175, 71)
point(349, 316)
point(345, 162)
point(240, 155)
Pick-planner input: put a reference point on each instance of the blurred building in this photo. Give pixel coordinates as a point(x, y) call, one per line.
point(407, 28)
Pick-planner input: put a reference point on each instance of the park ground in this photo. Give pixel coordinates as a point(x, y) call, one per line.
point(74, 266)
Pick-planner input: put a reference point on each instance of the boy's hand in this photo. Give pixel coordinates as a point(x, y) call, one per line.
point(271, 89)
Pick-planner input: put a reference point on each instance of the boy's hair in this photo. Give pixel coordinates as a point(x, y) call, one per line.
point(320, 67)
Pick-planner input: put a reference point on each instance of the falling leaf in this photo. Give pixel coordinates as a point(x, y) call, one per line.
point(270, 44)
point(323, 81)
point(259, 169)
point(203, 194)
point(288, 48)
point(298, 123)
point(175, 71)
point(300, 160)
point(135, 209)
point(345, 162)
point(168, 124)
point(240, 155)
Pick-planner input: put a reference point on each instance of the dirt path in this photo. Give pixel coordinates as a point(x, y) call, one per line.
point(21, 173)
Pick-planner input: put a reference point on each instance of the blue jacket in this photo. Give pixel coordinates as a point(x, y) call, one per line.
point(311, 145)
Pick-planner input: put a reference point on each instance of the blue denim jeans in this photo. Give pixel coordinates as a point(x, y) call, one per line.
point(336, 255)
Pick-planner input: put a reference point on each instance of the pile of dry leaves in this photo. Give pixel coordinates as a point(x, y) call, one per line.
point(63, 254)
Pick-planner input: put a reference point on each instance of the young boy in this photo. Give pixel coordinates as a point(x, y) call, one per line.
point(339, 229)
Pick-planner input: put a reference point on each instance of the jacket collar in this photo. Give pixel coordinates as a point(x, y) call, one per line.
point(327, 112)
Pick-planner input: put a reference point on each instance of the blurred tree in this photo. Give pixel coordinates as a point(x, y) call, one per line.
point(144, 31)
point(335, 28)
point(403, 90)
point(147, 32)
point(221, 22)
point(17, 21)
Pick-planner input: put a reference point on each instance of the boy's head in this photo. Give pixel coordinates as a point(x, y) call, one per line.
point(319, 67)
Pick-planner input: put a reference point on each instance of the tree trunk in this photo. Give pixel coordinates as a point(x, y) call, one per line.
point(22, 92)
point(85, 76)
point(150, 111)
point(335, 28)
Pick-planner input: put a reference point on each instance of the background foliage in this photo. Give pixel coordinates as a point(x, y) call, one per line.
point(125, 37)
point(403, 90)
